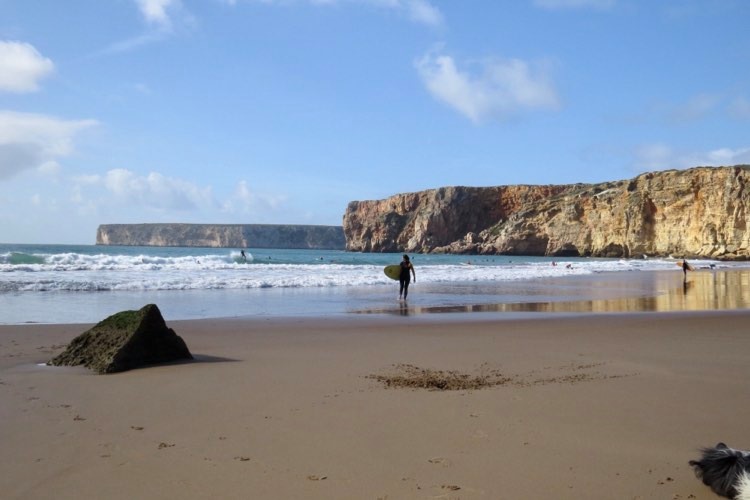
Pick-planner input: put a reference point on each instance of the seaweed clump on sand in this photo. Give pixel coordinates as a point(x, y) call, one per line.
point(414, 377)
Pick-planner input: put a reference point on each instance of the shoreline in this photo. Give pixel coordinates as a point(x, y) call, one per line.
point(706, 289)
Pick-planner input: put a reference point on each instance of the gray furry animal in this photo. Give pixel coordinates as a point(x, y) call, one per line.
point(725, 470)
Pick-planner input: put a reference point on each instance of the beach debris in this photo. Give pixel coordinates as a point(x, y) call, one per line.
point(163, 445)
point(414, 377)
point(123, 341)
point(411, 376)
point(313, 477)
point(439, 460)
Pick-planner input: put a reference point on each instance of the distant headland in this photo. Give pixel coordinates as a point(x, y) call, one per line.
point(223, 235)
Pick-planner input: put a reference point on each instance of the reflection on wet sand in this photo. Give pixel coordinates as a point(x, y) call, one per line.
point(705, 290)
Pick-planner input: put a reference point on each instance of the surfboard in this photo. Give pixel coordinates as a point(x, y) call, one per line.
point(393, 271)
point(679, 264)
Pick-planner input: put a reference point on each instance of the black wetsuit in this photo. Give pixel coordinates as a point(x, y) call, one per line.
point(404, 279)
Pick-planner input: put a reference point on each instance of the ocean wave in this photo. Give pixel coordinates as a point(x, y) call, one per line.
point(206, 275)
point(20, 259)
point(92, 268)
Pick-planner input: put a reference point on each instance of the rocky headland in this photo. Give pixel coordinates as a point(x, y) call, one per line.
point(698, 212)
point(222, 235)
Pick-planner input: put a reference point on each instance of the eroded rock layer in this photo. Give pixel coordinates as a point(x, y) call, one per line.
point(222, 235)
point(699, 212)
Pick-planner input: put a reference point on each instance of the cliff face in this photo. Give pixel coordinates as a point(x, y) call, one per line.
point(222, 235)
point(700, 212)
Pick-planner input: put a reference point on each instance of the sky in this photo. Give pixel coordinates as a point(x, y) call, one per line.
point(284, 111)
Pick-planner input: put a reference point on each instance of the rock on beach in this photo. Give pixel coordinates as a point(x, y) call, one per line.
point(123, 341)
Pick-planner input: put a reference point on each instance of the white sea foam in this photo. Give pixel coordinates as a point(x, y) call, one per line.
point(77, 271)
point(80, 284)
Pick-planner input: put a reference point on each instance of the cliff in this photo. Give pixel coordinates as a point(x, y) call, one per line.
point(222, 235)
point(700, 212)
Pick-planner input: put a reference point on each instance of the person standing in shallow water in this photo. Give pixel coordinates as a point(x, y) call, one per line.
point(685, 268)
point(405, 278)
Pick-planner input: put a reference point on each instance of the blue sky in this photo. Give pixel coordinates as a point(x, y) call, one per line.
point(283, 111)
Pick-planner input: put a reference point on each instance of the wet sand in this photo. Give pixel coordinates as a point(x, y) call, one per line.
point(585, 406)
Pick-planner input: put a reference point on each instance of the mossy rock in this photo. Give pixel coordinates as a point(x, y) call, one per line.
point(123, 341)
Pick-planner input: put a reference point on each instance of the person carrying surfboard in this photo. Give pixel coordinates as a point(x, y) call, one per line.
point(404, 277)
point(685, 269)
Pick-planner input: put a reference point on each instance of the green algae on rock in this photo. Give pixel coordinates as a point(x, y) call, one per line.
point(123, 341)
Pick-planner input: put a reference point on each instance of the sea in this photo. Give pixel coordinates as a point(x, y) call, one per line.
point(86, 283)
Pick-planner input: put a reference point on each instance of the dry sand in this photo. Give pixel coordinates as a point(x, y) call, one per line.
point(586, 407)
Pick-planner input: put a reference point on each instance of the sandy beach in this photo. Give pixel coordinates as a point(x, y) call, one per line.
point(584, 406)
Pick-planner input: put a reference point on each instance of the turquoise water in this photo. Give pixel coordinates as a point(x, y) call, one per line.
point(85, 283)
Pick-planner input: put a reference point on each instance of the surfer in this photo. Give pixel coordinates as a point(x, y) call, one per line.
point(685, 267)
point(244, 257)
point(404, 278)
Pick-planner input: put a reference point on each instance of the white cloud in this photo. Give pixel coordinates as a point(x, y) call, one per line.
point(243, 200)
point(695, 108)
point(153, 190)
point(156, 195)
point(164, 17)
point(575, 4)
point(661, 157)
point(32, 141)
point(421, 11)
point(21, 67)
point(133, 43)
point(424, 12)
point(496, 89)
point(120, 188)
point(654, 157)
point(156, 11)
point(49, 168)
point(87, 179)
point(724, 156)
